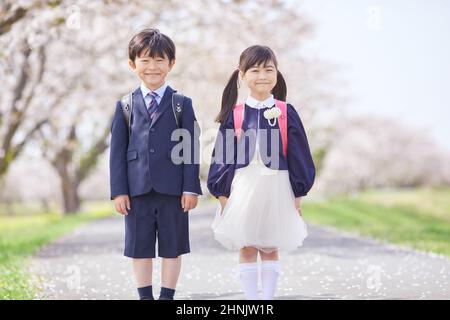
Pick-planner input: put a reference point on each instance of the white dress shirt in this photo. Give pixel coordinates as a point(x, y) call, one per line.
point(160, 93)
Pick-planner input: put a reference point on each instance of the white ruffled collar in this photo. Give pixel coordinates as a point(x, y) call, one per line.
point(254, 103)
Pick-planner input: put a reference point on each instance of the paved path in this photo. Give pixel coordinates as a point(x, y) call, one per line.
point(88, 264)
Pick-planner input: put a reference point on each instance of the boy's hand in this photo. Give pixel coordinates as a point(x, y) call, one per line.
point(122, 203)
point(223, 201)
point(297, 205)
point(188, 202)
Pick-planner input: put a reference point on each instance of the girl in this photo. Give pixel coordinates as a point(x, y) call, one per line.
point(261, 168)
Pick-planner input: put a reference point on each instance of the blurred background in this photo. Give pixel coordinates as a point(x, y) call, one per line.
point(368, 78)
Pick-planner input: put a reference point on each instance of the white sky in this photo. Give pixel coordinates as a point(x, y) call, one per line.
point(395, 54)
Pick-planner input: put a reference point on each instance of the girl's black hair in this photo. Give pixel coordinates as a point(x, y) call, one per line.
point(152, 43)
point(250, 57)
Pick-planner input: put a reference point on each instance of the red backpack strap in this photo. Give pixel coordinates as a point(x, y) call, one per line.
point(238, 113)
point(283, 124)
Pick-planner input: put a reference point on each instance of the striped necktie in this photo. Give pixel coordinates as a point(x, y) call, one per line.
point(153, 105)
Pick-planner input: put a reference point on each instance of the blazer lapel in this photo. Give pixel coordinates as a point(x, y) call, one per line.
point(166, 102)
point(139, 103)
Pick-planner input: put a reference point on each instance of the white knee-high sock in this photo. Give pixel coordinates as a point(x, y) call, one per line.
point(248, 274)
point(270, 271)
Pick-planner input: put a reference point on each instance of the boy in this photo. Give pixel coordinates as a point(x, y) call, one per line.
point(148, 188)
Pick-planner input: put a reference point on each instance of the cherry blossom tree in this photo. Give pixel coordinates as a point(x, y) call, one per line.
point(375, 152)
point(65, 66)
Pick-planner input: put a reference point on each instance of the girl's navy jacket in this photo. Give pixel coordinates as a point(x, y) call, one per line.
point(230, 153)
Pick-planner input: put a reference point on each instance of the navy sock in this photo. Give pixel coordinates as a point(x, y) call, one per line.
point(146, 293)
point(166, 293)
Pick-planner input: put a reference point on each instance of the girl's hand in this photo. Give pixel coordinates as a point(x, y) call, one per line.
point(297, 205)
point(188, 202)
point(223, 201)
point(122, 203)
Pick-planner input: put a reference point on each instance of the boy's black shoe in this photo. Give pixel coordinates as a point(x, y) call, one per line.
point(166, 294)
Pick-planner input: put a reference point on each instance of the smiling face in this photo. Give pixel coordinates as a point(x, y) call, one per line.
point(260, 79)
point(152, 70)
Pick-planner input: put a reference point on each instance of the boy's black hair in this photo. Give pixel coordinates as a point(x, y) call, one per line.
point(152, 43)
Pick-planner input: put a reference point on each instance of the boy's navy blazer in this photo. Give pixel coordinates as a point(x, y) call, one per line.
point(143, 162)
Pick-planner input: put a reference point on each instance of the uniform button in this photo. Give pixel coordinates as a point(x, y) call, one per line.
point(152, 150)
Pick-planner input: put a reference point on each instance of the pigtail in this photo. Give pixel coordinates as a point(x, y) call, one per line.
point(280, 90)
point(229, 97)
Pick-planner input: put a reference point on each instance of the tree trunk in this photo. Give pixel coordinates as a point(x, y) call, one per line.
point(68, 180)
point(70, 194)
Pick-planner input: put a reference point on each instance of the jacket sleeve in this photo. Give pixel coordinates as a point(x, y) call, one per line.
point(191, 164)
point(223, 161)
point(118, 154)
point(300, 163)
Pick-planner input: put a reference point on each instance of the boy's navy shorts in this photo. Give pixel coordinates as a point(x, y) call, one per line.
point(154, 215)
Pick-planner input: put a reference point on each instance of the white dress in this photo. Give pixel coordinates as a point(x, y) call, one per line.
point(260, 211)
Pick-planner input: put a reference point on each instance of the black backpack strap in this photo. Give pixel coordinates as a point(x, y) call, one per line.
point(127, 106)
point(177, 107)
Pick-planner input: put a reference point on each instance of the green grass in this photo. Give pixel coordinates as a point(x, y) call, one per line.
point(22, 235)
point(416, 218)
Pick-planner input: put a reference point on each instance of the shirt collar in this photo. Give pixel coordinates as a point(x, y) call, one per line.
point(254, 103)
point(160, 91)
